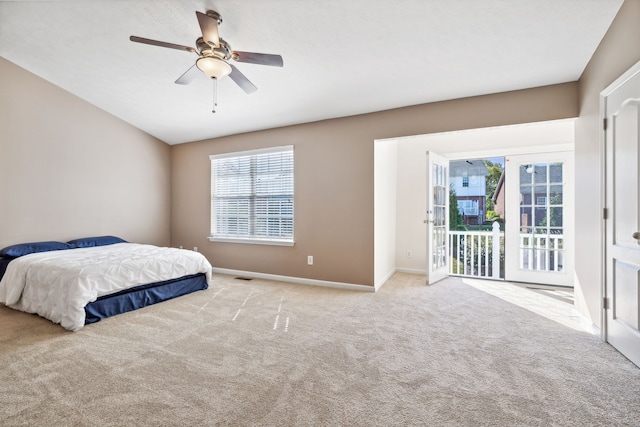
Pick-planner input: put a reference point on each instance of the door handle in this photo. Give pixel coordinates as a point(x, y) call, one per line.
point(636, 235)
point(429, 219)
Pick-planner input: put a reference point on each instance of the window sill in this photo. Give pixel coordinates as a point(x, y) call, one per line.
point(271, 242)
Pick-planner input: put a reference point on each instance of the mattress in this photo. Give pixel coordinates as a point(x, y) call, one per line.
point(58, 285)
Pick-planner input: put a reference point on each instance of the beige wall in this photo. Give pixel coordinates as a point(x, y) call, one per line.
point(617, 52)
point(334, 180)
point(68, 169)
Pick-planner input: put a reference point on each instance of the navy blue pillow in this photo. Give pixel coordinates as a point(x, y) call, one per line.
point(21, 249)
point(88, 242)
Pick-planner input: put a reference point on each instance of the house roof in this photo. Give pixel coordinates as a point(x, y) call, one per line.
point(341, 57)
point(499, 188)
point(468, 168)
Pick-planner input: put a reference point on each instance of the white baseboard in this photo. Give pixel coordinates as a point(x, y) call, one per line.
point(588, 324)
point(381, 282)
point(299, 280)
point(411, 271)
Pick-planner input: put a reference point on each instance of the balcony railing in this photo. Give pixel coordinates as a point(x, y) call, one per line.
point(481, 253)
point(477, 253)
point(542, 252)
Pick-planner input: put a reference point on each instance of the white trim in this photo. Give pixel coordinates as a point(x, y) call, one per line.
point(384, 280)
point(412, 271)
point(252, 152)
point(503, 152)
point(603, 113)
point(477, 130)
point(588, 325)
point(299, 280)
point(252, 241)
point(250, 195)
point(602, 247)
point(630, 73)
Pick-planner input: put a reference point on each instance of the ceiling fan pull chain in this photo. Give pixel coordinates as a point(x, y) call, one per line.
point(215, 94)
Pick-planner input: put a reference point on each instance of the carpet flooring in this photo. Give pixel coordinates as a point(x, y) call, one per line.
point(261, 353)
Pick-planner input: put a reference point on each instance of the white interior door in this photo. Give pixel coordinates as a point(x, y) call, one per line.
point(621, 102)
point(539, 226)
point(437, 217)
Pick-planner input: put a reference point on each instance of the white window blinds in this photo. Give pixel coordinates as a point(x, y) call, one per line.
point(252, 195)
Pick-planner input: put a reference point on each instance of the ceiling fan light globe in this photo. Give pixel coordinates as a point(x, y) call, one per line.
point(213, 68)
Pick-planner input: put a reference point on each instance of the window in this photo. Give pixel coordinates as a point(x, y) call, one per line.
point(465, 181)
point(252, 196)
point(468, 207)
point(541, 201)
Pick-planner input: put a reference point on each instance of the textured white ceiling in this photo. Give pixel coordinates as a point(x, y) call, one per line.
point(341, 57)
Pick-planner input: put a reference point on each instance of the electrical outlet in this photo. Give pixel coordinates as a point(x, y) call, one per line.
point(195, 249)
point(409, 254)
point(310, 260)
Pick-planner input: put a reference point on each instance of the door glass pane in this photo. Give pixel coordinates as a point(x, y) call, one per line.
point(556, 173)
point(440, 195)
point(555, 217)
point(526, 219)
point(555, 195)
point(540, 173)
point(525, 174)
point(541, 217)
point(540, 195)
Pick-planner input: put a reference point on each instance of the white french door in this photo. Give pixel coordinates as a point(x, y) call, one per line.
point(437, 217)
point(621, 109)
point(539, 229)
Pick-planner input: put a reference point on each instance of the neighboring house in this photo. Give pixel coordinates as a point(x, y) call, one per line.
point(541, 205)
point(468, 179)
point(534, 199)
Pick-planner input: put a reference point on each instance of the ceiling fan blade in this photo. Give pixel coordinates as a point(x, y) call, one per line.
point(161, 44)
point(188, 76)
point(258, 58)
point(241, 80)
point(209, 28)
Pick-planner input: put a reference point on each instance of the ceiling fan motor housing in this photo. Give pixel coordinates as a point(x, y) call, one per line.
point(222, 51)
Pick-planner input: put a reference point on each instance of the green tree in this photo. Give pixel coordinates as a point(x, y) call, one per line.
point(491, 182)
point(554, 213)
point(455, 217)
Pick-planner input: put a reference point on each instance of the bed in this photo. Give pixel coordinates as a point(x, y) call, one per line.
point(85, 280)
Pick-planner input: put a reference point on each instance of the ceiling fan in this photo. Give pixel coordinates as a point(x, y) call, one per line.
point(214, 54)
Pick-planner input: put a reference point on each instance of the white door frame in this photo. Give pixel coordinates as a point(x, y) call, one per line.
point(546, 136)
point(606, 225)
point(437, 217)
point(548, 150)
point(513, 251)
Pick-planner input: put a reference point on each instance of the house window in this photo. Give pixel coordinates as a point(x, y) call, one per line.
point(468, 207)
point(465, 181)
point(252, 196)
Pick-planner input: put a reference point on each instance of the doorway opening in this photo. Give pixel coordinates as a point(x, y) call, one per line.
point(402, 193)
point(507, 218)
point(476, 218)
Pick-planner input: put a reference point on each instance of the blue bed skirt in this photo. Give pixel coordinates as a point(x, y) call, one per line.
point(142, 296)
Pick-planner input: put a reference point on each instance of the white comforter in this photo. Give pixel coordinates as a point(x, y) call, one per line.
point(59, 284)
